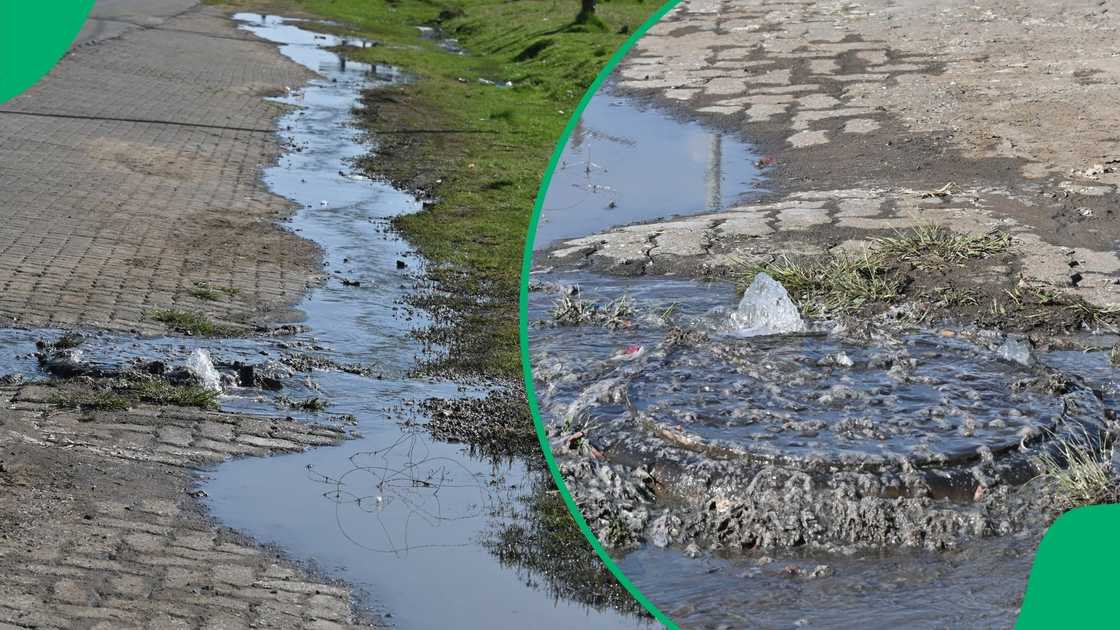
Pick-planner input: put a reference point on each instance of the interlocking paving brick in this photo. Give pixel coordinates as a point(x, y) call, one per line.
point(105, 220)
point(892, 100)
point(94, 536)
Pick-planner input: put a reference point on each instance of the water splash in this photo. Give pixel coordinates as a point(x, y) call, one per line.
point(202, 367)
point(766, 309)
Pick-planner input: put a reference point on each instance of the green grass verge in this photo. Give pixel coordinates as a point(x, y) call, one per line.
point(483, 176)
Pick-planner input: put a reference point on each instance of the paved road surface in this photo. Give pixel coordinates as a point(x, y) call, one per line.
point(137, 175)
point(129, 173)
point(111, 18)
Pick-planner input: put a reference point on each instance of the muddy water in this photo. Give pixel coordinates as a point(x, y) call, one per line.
point(630, 163)
point(394, 513)
point(803, 397)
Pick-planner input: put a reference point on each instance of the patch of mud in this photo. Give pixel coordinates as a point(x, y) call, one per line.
point(488, 423)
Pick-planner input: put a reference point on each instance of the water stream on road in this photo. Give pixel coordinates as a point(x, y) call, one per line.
point(405, 519)
point(394, 513)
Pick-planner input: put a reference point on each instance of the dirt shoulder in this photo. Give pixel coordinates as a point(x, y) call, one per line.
point(136, 182)
point(883, 117)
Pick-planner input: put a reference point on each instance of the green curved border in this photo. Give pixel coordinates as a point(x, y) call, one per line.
point(526, 267)
point(33, 37)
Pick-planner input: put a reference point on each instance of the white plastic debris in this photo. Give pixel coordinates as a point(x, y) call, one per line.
point(201, 366)
point(1017, 350)
point(766, 309)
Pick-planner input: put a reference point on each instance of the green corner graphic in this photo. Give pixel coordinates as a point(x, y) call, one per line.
point(33, 37)
point(1072, 580)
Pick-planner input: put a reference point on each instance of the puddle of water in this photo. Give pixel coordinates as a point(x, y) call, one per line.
point(393, 513)
point(629, 163)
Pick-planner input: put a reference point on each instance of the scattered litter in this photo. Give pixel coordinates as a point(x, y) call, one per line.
point(629, 353)
point(943, 192)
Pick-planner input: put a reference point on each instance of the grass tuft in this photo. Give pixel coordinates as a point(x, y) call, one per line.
point(572, 310)
point(190, 323)
point(68, 341)
point(162, 393)
point(1080, 471)
point(835, 284)
point(204, 291)
point(930, 246)
point(843, 283)
point(313, 404)
point(90, 400)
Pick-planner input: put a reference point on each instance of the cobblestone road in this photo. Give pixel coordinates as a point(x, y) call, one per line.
point(106, 218)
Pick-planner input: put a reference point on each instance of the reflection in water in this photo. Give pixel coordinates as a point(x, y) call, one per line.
point(715, 173)
point(625, 163)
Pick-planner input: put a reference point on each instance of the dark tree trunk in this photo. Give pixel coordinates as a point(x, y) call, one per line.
point(586, 11)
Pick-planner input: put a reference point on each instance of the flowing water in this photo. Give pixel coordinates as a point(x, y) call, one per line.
point(805, 399)
point(610, 360)
point(405, 519)
point(394, 513)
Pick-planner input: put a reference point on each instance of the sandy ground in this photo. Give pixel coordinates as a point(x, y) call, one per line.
point(136, 175)
point(863, 110)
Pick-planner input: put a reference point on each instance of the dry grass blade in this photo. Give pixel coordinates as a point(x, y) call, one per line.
point(835, 284)
point(930, 246)
point(1080, 470)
